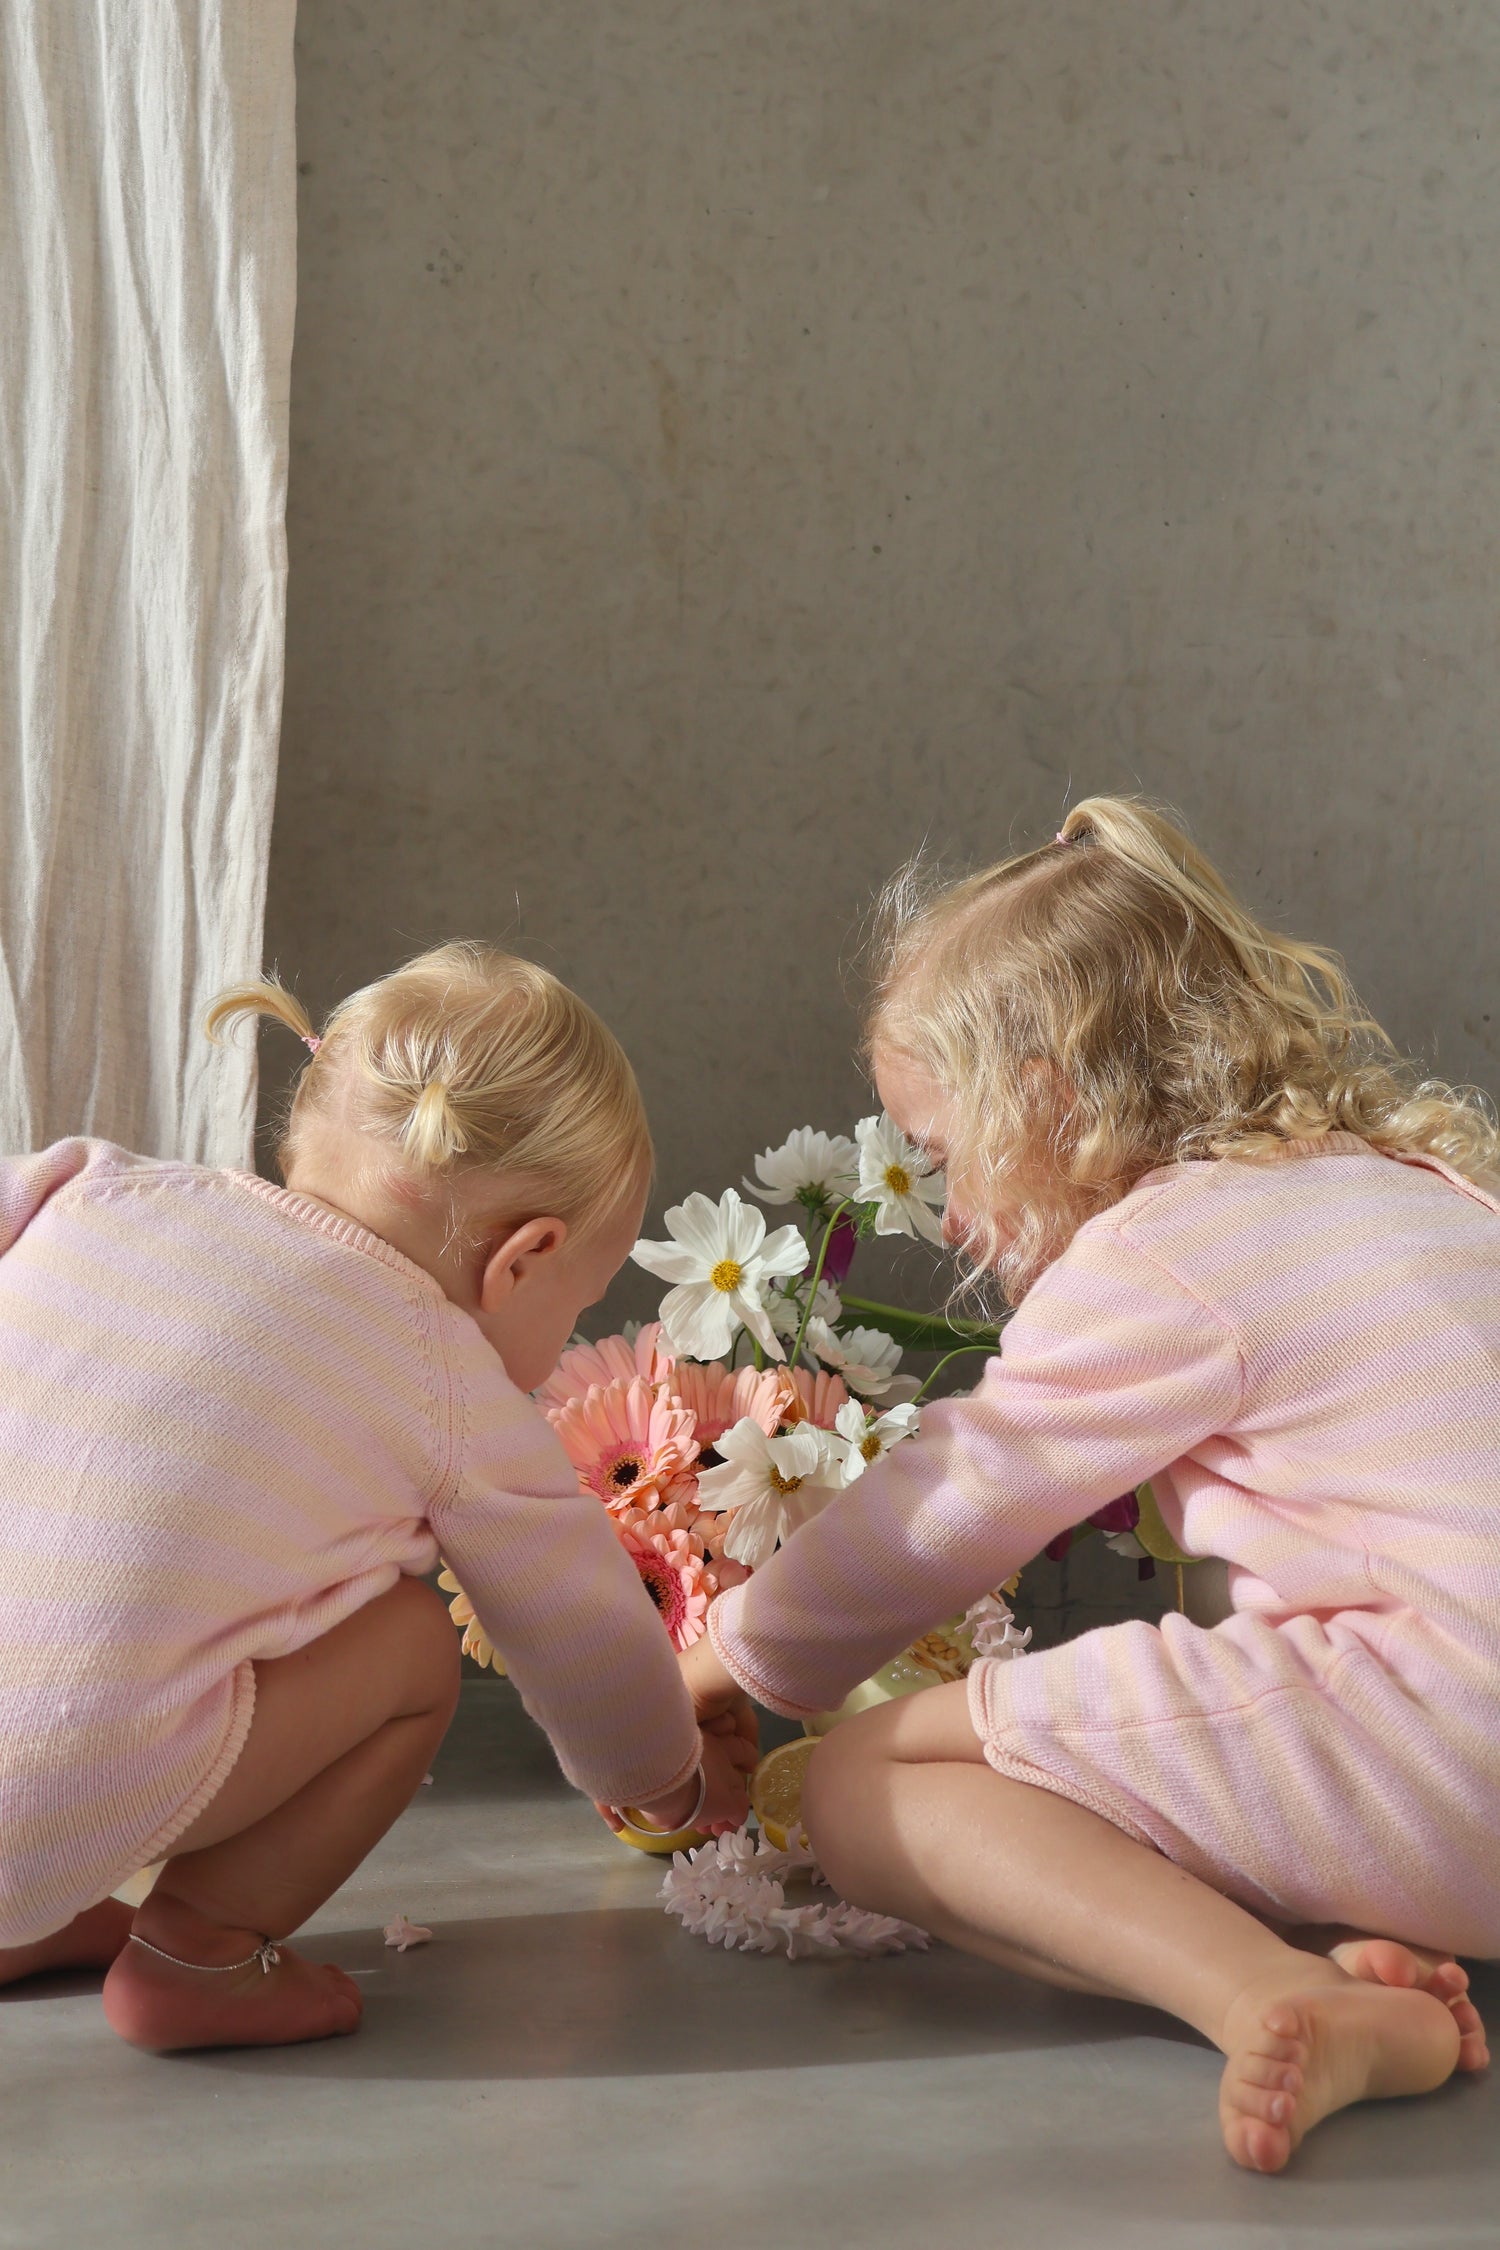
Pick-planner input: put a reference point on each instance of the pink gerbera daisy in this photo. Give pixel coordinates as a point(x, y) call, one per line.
point(718, 1396)
point(612, 1360)
point(674, 1570)
point(628, 1441)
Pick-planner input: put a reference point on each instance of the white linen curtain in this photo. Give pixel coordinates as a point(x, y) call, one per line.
point(148, 262)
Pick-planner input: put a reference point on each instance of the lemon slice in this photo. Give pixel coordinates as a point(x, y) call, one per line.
point(776, 1790)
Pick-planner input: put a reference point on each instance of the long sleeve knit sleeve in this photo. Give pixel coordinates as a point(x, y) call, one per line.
point(1111, 1369)
point(557, 1595)
point(27, 1181)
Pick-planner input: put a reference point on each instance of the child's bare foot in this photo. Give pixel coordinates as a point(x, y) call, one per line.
point(90, 1941)
point(1413, 1968)
point(163, 2006)
point(1294, 2056)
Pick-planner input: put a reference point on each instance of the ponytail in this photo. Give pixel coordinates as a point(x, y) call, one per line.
point(432, 1135)
point(469, 1059)
point(268, 997)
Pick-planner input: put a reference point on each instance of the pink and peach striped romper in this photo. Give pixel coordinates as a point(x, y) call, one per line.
point(228, 1419)
point(1303, 1355)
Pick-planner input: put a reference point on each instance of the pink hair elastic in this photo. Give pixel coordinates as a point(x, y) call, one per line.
point(1060, 838)
point(311, 1042)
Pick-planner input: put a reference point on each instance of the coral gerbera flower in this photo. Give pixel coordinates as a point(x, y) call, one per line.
point(811, 1398)
point(718, 1396)
point(674, 1570)
point(614, 1359)
point(628, 1441)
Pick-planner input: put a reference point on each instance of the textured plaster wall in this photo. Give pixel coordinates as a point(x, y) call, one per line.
point(731, 444)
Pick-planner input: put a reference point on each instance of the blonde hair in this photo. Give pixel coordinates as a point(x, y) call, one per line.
point(466, 1061)
point(1104, 1005)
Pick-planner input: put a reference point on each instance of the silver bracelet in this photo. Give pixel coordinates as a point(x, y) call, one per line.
point(658, 1833)
point(265, 1953)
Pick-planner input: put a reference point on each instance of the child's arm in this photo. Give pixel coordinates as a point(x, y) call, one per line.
point(558, 1596)
point(1110, 1370)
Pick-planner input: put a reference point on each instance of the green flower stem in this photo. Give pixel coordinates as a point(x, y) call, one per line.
point(961, 1353)
point(921, 1331)
point(812, 1288)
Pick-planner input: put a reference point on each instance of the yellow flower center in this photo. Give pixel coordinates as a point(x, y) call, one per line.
point(898, 1179)
point(727, 1275)
point(870, 1447)
point(785, 1484)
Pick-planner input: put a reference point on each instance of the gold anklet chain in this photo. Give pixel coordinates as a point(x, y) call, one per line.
point(265, 1953)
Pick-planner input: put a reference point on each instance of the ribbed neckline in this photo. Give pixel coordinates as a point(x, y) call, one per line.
point(323, 1219)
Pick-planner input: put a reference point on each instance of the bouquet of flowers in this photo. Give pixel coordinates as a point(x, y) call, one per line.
point(712, 1434)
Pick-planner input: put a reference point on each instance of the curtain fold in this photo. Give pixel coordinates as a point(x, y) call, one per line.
point(148, 261)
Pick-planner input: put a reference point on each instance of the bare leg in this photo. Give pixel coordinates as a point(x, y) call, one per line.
point(342, 1735)
point(90, 1941)
point(907, 1818)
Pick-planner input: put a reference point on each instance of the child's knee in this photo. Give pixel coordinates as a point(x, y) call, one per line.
point(838, 1785)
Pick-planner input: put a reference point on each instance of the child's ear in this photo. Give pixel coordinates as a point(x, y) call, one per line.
point(521, 1252)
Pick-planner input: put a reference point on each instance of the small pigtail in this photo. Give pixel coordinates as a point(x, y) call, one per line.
point(433, 1135)
point(269, 997)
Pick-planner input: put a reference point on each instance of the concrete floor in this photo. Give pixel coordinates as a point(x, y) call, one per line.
point(564, 2067)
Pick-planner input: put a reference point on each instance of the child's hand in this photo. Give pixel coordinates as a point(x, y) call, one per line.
point(724, 1711)
point(725, 1806)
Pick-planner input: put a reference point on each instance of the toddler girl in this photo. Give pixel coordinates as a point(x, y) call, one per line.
point(1257, 1265)
point(238, 1421)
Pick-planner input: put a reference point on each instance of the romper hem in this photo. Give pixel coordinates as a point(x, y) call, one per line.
point(1014, 1765)
point(241, 1713)
point(104, 1880)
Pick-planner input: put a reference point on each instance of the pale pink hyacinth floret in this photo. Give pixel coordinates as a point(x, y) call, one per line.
point(630, 1442)
point(733, 1893)
point(403, 1934)
point(614, 1359)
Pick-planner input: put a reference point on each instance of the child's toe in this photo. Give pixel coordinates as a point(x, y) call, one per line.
point(1272, 2105)
point(1257, 2143)
point(1265, 2070)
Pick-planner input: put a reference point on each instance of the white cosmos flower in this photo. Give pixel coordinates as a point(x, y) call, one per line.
point(720, 1256)
point(867, 1442)
point(898, 1180)
point(823, 1164)
point(773, 1484)
point(866, 1358)
point(785, 1312)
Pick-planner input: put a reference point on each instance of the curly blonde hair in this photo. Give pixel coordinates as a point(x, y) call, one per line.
point(1104, 1005)
point(469, 1061)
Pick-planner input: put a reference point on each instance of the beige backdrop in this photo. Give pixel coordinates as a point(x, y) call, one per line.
point(733, 444)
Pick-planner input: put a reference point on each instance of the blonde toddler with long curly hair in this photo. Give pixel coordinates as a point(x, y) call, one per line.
point(1255, 1260)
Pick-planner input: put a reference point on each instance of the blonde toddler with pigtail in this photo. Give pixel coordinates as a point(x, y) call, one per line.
point(242, 1421)
point(1257, 1262)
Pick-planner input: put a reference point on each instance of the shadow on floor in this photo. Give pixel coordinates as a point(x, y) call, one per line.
point(623, 1992)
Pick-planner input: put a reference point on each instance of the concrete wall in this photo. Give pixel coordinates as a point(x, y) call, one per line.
point(733, 443)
